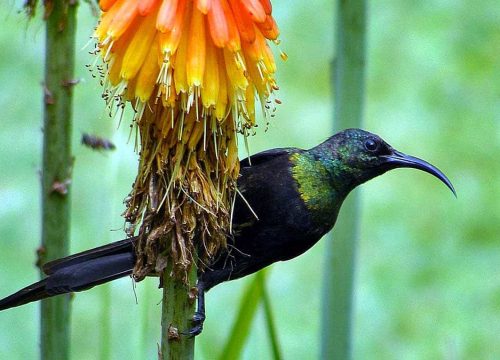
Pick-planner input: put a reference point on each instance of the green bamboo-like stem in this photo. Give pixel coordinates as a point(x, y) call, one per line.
point(268, 312)
point(56, 168)
point(349, 85)
point(177, 311)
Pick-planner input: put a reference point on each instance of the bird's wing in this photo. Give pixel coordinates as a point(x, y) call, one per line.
point(265, 156)
point(122, 246)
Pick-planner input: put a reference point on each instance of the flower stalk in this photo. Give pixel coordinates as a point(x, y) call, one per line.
point(177, 310)
point(56, 169)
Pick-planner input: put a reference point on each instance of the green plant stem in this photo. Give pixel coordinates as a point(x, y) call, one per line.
point(240, 330)
point(268, 312)
point(56, 168)
point(349, 85)
point(177, 312)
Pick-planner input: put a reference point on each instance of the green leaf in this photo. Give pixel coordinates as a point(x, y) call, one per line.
point(253, 295)
point(246, 314)
point(271, 328)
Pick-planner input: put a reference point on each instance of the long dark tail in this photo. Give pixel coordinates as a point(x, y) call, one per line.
point(78, 272)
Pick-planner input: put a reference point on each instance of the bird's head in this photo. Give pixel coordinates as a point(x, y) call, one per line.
point(360, 156)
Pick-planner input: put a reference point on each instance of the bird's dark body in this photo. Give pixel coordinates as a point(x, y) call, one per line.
point(287, 199)
point(270, 223)
point(277, 227)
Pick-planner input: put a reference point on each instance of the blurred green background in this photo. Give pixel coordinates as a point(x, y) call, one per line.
point(427, 277)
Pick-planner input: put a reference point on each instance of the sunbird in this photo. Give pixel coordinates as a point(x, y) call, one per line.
point(287, 199)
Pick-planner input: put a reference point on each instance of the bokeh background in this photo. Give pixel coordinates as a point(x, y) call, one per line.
point(427, 277)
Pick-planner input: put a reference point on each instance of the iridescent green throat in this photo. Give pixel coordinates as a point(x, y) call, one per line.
point(316, 187)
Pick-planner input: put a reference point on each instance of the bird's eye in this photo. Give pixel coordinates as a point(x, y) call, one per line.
point(371, 145)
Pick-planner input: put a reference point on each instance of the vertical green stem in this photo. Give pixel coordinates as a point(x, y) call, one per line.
point(349, 84)
point(268, 312)
point(56, 168)
point(177, 312)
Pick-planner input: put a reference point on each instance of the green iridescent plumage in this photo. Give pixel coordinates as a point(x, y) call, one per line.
point(316, 186)
point(326, 173)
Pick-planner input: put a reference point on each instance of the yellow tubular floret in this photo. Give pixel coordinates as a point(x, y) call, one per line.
point(167, 15)
point(148, 73)
point(204, 5)
point(169, 40)
point(195, 66)
point(217, 24)
point(106, 5)
point(106, 19)
point(125, 15)
point(255, 9)
point(222, 98)
point(138, 49)
point(210, 89)
point(180, 75)
point(235, 73)
point(146, 6)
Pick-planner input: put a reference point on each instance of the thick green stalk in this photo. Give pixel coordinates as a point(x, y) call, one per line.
point(349, 85)
point(56, 168)
point(177, 312)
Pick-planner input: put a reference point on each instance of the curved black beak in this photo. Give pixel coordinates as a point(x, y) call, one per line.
point(398, 159)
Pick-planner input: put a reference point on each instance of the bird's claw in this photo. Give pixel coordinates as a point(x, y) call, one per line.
point(197, 321)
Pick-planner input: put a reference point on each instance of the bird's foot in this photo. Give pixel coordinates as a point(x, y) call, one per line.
point(197, 321)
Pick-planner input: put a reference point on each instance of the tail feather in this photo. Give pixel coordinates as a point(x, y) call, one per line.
point(78, 272)
point(84, 275)
point(116, 247)
point(30, 293)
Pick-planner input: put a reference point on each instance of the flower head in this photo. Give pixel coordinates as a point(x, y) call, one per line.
point(192, 70)
point(187, 52)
